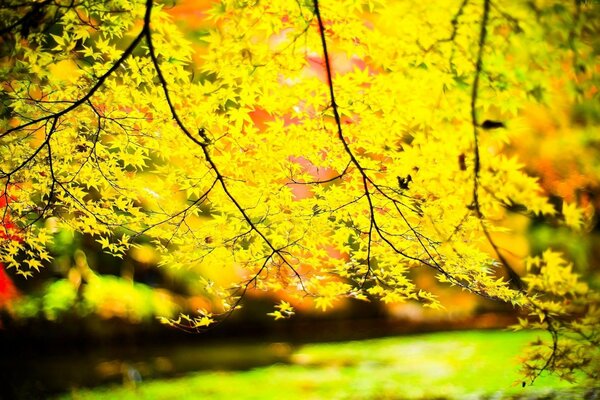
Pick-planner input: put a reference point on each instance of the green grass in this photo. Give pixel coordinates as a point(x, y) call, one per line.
point(458, 365)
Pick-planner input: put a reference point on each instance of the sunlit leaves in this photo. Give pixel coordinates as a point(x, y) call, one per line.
point(263, 105)
point(566, 307)
point(283, 310)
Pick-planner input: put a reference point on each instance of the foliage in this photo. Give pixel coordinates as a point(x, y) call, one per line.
point(79, 287)
point(556, 291)
point(106, 296)
point(325, 150)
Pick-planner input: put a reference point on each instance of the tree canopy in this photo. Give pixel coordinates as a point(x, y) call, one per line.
point(322, 149)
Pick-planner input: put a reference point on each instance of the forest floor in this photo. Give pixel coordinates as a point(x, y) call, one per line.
point(444, 365)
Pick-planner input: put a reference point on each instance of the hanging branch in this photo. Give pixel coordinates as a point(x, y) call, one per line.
point(369, 185)
point(515, 279)
point(203, 142)
point(204, 145)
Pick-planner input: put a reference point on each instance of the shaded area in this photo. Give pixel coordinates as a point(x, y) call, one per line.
point(43, 357)
point(457, 365)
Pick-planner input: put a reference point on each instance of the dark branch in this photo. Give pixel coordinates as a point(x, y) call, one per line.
point(204, 145)
point(515, 280)
point(99, 83)
point(367, 181)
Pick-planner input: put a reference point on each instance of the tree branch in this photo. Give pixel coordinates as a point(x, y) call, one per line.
point(99, 83)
